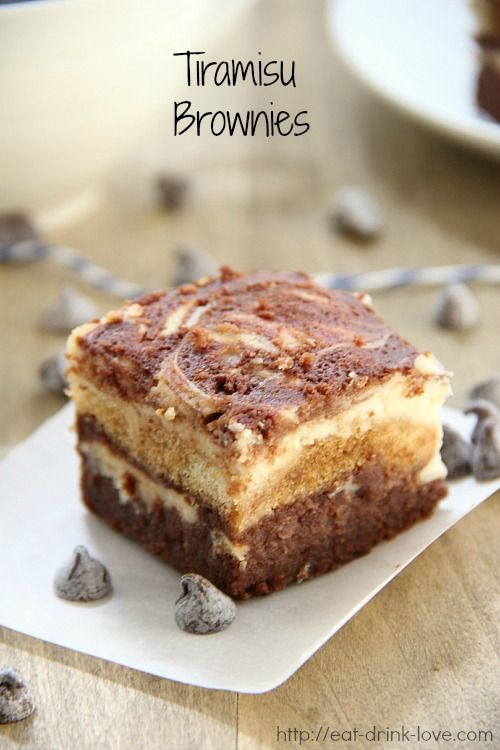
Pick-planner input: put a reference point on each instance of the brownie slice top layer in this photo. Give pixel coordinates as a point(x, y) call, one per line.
point(245, 350)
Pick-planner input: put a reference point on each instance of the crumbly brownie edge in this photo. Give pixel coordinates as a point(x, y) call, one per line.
point(298, 541)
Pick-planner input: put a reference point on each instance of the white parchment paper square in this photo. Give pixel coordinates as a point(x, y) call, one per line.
point(42, 519)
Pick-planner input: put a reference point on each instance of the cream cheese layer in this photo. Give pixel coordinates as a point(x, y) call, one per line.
point(123, 474)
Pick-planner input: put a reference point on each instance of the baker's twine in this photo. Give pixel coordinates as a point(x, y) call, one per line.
point(391, 278)
point(94, 275)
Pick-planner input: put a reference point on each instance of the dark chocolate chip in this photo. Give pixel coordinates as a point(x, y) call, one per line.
point(202, 608)
point(457, 308)
point(486, 456)
point(52, 373)
point(488, 389)
point(483, 410)
point(172, 191)
point(16, 700)
point(16, 227)
point(191, 264)
point(82, 579)
point(70, 310)
point(355, 212)
point(456, 454)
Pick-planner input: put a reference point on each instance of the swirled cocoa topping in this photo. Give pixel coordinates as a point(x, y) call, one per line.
point(255, 350)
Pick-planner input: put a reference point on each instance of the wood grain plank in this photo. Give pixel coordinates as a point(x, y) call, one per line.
point(89, 703)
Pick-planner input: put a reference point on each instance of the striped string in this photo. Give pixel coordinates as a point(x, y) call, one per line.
point(94, 275)
point(391, 278)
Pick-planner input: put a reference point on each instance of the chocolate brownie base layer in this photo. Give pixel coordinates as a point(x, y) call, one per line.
point(298, 541)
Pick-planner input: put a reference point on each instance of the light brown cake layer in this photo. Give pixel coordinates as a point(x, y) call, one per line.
point(335, 460)
point(308, 464)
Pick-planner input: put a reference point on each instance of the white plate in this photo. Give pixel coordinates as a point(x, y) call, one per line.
point(420, 56)
point(42, 519)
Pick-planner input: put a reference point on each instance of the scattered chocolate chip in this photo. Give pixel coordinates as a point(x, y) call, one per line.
point(16, 227)
point(457, 309)
point(16, 700)
point(456, 454)
point(488, 389)
point(355, 212)
point(191, 264)
point(486, 456)
point(52, 373)
point(82, 579)
point(202, 608)
point(71, 309)
point(483, 410)
point(172, 191)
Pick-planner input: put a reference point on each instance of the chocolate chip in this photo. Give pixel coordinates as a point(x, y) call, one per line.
point(355, 212)
point(52, 373)
point(82, 579)
point(457, 308)
point(202, 608)
point(483, 410)
point(16, 227)
point(192, 264)
point(488, 389)
point(70, 310)
point(172, 191)
point(486, 456)
point(16, 700)
point(456, 454)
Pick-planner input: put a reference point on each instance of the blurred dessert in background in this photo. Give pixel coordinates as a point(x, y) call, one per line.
point(488, 39)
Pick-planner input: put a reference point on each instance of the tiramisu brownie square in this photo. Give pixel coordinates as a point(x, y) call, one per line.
point(488, 38)
point(255, 428)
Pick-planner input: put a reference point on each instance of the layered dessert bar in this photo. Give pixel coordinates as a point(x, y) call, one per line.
point(255, 428)
point(488, 38)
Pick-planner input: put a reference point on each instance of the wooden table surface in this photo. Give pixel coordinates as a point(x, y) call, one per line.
point(425, 650)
